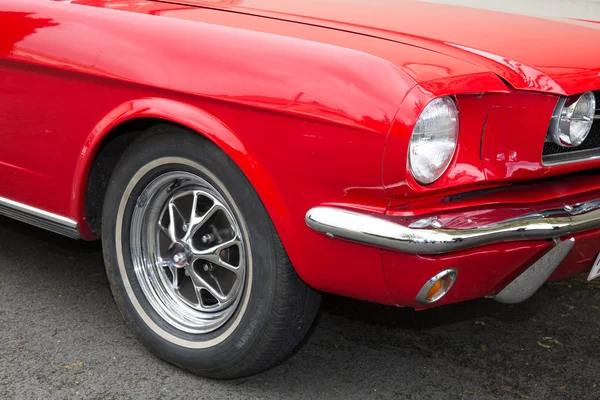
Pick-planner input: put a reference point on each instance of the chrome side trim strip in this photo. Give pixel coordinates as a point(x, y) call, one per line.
point(525, 285)
point(377, 231)
point(40, 218)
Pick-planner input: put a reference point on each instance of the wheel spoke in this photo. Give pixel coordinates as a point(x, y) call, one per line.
point(213, 254)
point(200, 283)
point(197, 222)
point(219, 288)
point(164, 241)
point(183, 219)
point(175, 273)
point(193, 210)
point(164, 230)
point(226, 265)
point(172, 229)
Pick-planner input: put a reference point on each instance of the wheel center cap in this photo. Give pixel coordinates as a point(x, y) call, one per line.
point(180, 255)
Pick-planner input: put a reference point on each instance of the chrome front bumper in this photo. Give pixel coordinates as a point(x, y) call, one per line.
point(425, 238)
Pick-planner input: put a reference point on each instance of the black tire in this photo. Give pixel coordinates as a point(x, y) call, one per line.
point(276, 309)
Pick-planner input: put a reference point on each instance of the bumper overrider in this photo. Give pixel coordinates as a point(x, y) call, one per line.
point(427, 237)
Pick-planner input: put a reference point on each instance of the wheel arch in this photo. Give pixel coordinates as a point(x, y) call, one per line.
point(120, 127)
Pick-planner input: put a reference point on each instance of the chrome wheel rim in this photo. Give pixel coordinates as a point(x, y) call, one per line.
point(188, 252)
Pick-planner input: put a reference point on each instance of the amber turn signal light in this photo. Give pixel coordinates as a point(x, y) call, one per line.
point(437, 286)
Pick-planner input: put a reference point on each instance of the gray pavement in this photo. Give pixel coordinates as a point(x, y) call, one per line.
point(62, 337)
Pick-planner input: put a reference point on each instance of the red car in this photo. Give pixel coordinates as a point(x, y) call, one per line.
point(238, 157)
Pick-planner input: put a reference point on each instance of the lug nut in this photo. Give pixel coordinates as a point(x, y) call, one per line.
point(207, 238)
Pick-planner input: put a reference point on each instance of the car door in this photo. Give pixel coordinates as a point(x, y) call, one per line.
point(31, 99)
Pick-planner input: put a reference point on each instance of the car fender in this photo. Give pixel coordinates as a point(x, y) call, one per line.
point(185, 115)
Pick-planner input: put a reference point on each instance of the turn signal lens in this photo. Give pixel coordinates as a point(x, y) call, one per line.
point(437, 287)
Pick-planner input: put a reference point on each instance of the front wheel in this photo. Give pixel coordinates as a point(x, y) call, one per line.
point(194, 262)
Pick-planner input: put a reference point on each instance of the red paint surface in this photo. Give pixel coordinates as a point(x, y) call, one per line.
point(313, 101)
point(531, 53)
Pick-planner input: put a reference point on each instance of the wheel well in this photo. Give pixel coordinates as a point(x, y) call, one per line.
point(112, 148)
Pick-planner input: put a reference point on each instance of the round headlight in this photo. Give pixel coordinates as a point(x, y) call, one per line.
point(433, 140)
point(572, 120)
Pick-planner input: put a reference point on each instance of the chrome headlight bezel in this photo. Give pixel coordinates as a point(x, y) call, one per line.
point(578, 109)
point(441, 112)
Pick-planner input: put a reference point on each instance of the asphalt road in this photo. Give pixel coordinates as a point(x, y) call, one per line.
point(61, 336)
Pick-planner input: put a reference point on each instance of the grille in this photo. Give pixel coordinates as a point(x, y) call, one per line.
point(554, 154)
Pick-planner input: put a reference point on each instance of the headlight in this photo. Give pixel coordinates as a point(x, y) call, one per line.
point(572, 120)
point(433, 140)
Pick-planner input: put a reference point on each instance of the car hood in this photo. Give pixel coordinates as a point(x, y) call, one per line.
point(530, 53)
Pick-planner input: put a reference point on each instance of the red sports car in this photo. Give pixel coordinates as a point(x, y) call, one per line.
point(238, 157)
